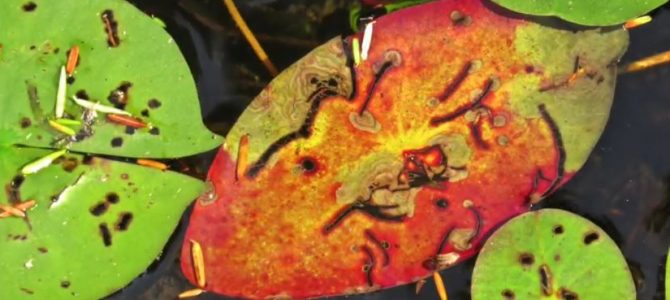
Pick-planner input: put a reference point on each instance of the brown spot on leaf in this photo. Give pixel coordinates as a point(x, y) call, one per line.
point(29, 6)
point(558, 229)
point(69, 164)
point(99, 209)
point(112, 198)
point(25, 123)
point(526, 259)
point(591, 237)
point(442, 203)
point(119, 96)
point(27, 291)
point(145, 113)
point(566, 294)
point(105, 234)
point(117, 142)
point(130, 130)
point(124, 221)
point(43, 249)
point(155, 131)
point(111, 28)
point(81, 94)
point(64, 284)
point(154, 103)
point(507, 294)
point(545, 280)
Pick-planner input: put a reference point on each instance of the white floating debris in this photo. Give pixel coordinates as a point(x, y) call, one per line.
point(42, 163)
point(60, 95)
point(99, 107)
point(367, 40)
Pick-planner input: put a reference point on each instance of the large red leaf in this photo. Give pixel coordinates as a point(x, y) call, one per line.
point(343, 179)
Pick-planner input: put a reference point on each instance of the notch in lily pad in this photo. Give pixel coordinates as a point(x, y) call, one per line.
point(551, 254)
point(584, 12)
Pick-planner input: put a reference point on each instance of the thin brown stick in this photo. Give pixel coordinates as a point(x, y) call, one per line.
point(253, 42)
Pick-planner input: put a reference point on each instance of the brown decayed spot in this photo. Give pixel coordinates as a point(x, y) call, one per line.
point(25, 122)
point(155, 131)
point(27, 291)
point(64, 284)
point(29, 6)
point(508, 294)
point(81, 94)
point(545, 280)
point(99, 209)
point(111, 28)
point(117, 142)
point(120, 95)
point(526, 259)
point(130, 130)
point(105, 234)
point(558, 229)
point(590, 237)
point(154, 103)
point(145, 113)
point(566, 294)
point(70, 80)
point(43, 249)
point(69, 164)
point(112, 198)
point(125, 218)
point(308, 165)
point(442, 202)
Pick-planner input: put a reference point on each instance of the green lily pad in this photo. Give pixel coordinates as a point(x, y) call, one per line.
point(584, 12)
point(125, 56)
point(96, 225)
point(551, 254)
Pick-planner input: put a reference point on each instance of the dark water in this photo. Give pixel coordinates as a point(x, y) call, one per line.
point(624, 187)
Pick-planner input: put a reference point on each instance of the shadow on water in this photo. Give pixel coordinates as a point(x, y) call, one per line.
point(624, 187)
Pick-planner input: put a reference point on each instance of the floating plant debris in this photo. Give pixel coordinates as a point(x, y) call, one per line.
point(387, 139)
point(152, 164)
point(581, 262)
point(72, 60)
point(41, 163)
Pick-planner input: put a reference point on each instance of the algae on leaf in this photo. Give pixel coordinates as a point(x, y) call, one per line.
point(126, 60)
point(551, 254)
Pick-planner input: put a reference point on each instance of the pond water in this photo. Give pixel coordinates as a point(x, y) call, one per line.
point(624, 187)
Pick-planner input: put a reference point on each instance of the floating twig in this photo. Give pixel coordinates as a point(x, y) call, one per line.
point(42, 163)
point(439, 285)
point(367, 40)
point(126, 120)
point(198, 263)
point(152, 164)
point(190, 293)
point(72, 60)
point(62, 128)
point(356, 50)
point(99, 107)
point(646, 63)
point(630, 24)
point(68, 122)
point(60, 95)
point(255, 45)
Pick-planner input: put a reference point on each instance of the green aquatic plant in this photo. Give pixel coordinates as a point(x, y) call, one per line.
point(584, 12)
point(73, 225)
point(551, 254)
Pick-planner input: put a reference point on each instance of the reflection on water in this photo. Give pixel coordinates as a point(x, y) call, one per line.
point(624, 187)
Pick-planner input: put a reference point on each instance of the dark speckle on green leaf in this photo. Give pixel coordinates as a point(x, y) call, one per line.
point(29, 6)
point(117, 142)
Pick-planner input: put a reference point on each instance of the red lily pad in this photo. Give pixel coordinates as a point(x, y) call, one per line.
point(343, 178)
